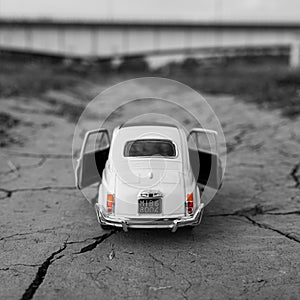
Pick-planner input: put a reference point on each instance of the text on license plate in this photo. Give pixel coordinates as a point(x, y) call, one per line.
point(149, 206)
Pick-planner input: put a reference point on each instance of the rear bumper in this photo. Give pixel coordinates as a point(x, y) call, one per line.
point(171, 223)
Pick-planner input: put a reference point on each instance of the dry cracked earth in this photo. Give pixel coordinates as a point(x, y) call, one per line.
point(247, 246)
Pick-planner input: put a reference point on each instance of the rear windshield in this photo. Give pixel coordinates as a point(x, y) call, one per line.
point(149, 147)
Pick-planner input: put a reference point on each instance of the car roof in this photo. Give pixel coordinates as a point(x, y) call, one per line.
point(148, 131)
point(124, 134)
point(136, 131)
point(138, 124)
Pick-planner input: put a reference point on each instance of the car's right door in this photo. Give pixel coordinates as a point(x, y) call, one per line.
point(204, 158)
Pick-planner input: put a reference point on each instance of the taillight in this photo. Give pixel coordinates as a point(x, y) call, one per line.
point(110, 203)
point(189, 203)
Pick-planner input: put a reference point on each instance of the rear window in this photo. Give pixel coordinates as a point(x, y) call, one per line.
point(149, 147)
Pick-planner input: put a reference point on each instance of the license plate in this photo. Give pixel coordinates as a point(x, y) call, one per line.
point(149, 206)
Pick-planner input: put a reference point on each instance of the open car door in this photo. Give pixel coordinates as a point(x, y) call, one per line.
point(93, 156)
point(204, 158)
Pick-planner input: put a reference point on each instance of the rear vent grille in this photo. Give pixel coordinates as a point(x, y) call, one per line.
point(150, 195)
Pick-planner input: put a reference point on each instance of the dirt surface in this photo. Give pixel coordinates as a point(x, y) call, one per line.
point(247, 246)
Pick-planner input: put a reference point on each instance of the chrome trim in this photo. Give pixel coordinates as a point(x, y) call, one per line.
point(170, 223)
point(150, 194)
point(175, 226)
point(124, 226)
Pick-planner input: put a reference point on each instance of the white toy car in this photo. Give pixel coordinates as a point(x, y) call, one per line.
point(149, 176)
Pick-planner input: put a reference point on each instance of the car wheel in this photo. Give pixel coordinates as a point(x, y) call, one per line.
point(189, 227)
point(106, 227)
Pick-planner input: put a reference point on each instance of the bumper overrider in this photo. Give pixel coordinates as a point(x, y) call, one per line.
point(168, 223)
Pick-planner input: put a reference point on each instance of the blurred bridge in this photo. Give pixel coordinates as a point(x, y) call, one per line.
point(118, 39)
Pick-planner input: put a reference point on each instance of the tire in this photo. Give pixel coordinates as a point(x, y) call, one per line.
point(106, 227)
point(189, 227)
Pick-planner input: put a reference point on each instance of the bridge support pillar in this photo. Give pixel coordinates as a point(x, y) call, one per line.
point(295, 55)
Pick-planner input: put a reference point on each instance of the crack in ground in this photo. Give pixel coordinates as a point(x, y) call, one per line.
point(39, 155)
point(294, 174)
point(43, 268)
point(252, 211)
point(238, 140)
point(41, 273)
point(264, 226)
point(79, 242)
point(44, 188)
point(17, 168)
point(7, 192)
point(293, 212)
point(28, 233)
point(161, 263)
point(189, 284)
point(257, 210)
point(23, 265)
point(97, 240)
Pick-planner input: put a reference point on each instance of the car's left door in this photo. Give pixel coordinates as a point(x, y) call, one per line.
point(93, 156)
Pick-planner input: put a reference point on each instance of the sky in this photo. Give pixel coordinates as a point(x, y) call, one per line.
point(175, 10)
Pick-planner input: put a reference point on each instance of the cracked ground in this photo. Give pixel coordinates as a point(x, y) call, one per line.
point(247, 246)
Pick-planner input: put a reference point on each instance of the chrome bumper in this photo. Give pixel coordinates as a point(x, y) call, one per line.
point(172, 223)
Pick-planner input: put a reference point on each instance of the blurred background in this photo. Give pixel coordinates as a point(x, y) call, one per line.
point(249, 48)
